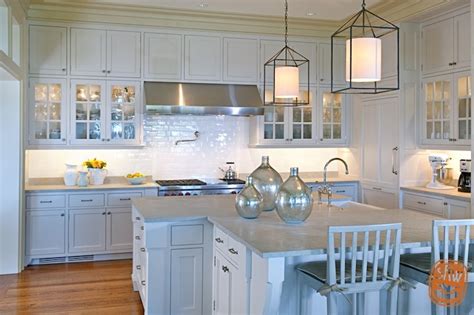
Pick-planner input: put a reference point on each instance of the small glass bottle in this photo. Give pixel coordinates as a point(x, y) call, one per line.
point(294, 201)
point(267, 181)
point(249, 202)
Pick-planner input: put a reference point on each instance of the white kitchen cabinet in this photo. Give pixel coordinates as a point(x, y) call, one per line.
point(105, 53)
point(203, 58)
point(379, 196)
point(436, 204)
point(345, 189)
point(87, 232)
point(332, 129)
point(48, 50)
point(119, 229)
point(112, 118)
point(186, 287)
point(47, 112)
point(325, 63)
point(456, 209)
point(446, 114)
point(390, 55)
point(268, 48)
point(240, 60)
point(221, 285)
point(446, 45)
point(45, 232)
point(163, 55)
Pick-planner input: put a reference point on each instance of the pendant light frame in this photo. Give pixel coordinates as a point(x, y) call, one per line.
point(286, 57)
point(370, 25)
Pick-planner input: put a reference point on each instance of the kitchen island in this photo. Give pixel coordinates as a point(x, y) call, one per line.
point(187, 240)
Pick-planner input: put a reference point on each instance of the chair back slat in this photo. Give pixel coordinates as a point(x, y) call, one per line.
point(342, 250)
point(365, 252)
point(376, 255)
point(354, 257)
point(453, 239)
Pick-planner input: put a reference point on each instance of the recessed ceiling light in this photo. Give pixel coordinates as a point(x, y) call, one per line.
point(310, 13)
point(203, 5)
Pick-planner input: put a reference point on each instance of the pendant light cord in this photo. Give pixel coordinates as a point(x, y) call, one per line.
point(286, 23)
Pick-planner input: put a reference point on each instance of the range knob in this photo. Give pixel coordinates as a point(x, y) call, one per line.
point(166, 194)
point(187, 194)
point(234, 193)
point(195, 194)
point(173, 194)
point(180, 194)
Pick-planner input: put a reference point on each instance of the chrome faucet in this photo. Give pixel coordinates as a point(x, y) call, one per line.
point(325, 189)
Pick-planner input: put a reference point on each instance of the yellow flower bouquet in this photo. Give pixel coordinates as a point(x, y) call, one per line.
point(94, 163)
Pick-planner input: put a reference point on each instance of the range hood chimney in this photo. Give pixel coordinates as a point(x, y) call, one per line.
point(202, 99)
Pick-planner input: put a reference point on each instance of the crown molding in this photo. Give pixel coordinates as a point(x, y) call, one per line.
point(67, 11)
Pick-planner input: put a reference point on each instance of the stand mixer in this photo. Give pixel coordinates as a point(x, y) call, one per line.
point(437, 161)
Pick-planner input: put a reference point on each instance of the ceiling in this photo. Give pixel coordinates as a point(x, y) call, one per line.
point(310, 9)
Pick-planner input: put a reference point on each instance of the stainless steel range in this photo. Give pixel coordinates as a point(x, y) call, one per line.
point(196, 187)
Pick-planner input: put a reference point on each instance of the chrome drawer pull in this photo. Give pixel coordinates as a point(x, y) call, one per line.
point(219, 240)
point(233, 251)
point(139, 267)
point(377, 188)
point(86, 200)
point(124, 199)
point(137, 218)
point(225, 269)
point(137, 238)
point(142, 227)
point(46, 201)
point(142, 249)
point(421, 203)
point(143, 282)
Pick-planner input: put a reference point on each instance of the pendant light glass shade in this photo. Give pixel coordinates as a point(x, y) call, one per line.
point(364, 35)
point(287, 82)
point(366, 54)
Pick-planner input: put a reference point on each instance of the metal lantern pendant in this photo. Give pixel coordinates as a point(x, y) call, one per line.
point(363, 35)
point(286, 66)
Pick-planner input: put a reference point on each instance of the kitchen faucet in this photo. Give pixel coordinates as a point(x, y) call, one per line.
point(325, 189)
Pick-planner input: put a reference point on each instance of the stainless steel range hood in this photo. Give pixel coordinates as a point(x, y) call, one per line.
point(202, 99)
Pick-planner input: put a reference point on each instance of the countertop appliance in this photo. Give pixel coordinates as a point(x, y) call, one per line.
point(464, 182)
point(198, 187)
point(437, 161)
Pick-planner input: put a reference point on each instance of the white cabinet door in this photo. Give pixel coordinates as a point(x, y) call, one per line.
point(370, 148)
point(240, 60)
point(221, 285)
point(45, 232)
point(47, 111)
point(462, 108)
point(163, 55)
point(186, 281)
point(389, 128)
point(123, 54)
point(332, 117)
point(302, 120)
point(379, 197)
point(462, 40)
point(203, 58)
point(437, 46)
point(268, 48)
point(48, 50)
point(389, 55)
point(456, 209)
point(325, 63)
point(88, 52)
point(87, 230)
point(119, 229)
point(307, 50)
point(238, 291)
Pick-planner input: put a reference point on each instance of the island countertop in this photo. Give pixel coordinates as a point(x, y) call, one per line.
point(268, 236)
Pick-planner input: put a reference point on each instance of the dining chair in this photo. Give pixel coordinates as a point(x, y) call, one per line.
point(454, 244)
point(360, 259)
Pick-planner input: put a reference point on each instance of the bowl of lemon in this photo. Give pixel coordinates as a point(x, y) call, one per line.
point(135, 178)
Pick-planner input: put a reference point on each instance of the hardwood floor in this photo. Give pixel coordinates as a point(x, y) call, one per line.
point(79, 288)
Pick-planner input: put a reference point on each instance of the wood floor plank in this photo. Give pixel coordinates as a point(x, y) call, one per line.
point(71, 289)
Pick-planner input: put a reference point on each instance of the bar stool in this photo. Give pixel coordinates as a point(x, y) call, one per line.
point(373, 267)
point(456, 245)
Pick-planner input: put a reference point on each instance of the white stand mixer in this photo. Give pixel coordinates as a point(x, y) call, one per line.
point(437, 161)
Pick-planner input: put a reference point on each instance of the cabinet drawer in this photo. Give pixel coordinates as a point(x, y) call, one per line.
point(427, 204)
point(122, 199)
point(187, 234)
point(220, 240)
point(344, 190)
point(236, 252)
point(86, 200)
point(45, 201)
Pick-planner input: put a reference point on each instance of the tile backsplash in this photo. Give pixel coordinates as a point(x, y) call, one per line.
point(222, 139)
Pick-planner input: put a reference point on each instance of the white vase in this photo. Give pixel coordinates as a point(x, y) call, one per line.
point(97, 176)
point(70, 175)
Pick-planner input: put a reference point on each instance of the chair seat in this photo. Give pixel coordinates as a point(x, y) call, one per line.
point(422, 262)
point(317, 270)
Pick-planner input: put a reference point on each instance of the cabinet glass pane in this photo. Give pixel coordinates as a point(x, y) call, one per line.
point(88, 112)
point(463, 129)
point(446, 130)
point(117, 130)
point(123, 112)
point(55, 130)
point(117, 112)
point(464, 108)
point(337, 131)
point(129, 112)
point(327, 131)
point(437, 130)
point(81, 111)
point(268, 114)
point(279, 131)
point(429, 110)
point(307, 114)
point(129, 131)
point(55, 93)
point(41, 92)
point(268, 131)
point(40, 130)
point(81, 93)
point(94, 112)
point(307, 132)
point(47, 111)
point(332, 116)
point(41, 111)
point(94, 130)
point(297, 115)
point(81, 130)
point(446, 110)
point(123, 94)
point(429, 130)
point(280, 114)
point(296, 131)
point(55, 111)
point(95, 93)
point(337, 115)
point(463, 87)
point(437, 110)
point(429, 92)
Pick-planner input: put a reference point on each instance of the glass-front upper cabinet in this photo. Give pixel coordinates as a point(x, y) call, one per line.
point(332, 117)
point(463, 109)
point(124, 112)
point(47, 112)
point(88, 112)
point(301, 122)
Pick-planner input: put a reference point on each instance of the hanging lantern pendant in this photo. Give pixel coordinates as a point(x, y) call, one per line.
point(363, 34)
point(286, 66)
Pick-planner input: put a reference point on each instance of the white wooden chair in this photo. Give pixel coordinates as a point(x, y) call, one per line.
point(374, 266)
point(455, 245)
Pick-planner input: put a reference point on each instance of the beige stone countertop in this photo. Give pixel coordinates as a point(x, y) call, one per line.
point(57, 184)
point(317, 177)
point(450, 193)
point(269, 236)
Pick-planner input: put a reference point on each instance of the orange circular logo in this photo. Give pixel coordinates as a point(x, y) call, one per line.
point(448, 283)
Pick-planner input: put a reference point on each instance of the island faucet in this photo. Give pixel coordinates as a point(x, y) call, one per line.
point(325, 189)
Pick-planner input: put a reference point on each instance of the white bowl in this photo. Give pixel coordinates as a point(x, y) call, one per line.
point(136, 180)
